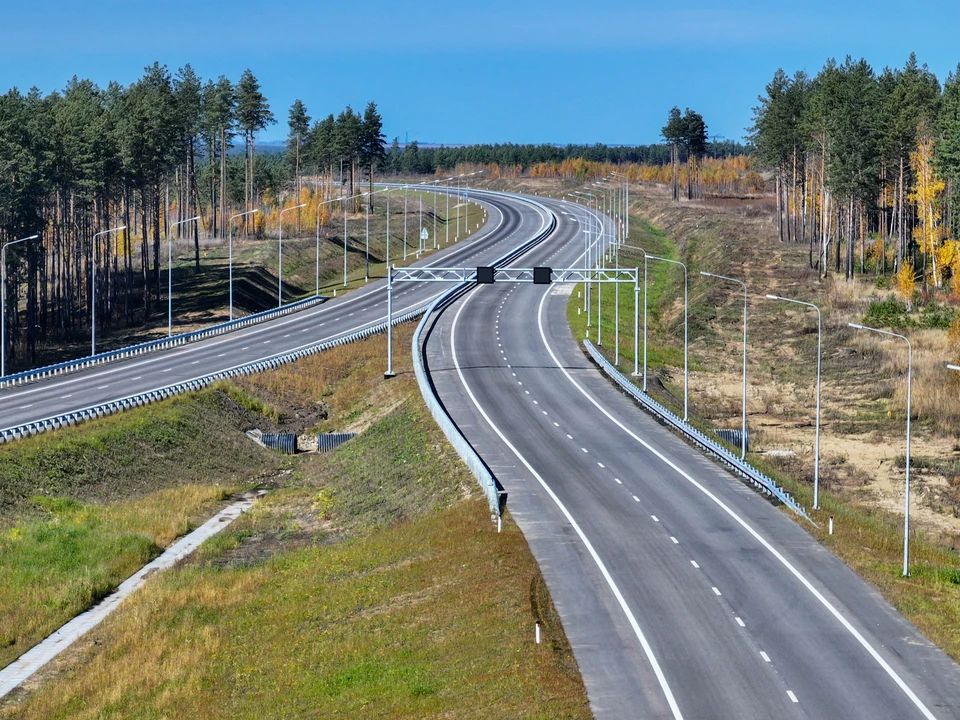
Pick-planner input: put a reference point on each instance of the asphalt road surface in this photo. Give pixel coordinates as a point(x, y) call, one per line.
point(683, 592)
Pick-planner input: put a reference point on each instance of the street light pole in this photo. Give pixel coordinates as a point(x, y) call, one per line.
point(906, 502)
point(280, 253)
point(743, 433)
point(93, 288)
point(816, 460)
point(636, 305)
point(366, 276)
point(3, 302)
point(230, 225)
point(686, 343)
point(170, 272)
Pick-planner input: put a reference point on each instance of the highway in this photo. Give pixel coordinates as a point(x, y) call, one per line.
point(339, 316)
point(682, 591)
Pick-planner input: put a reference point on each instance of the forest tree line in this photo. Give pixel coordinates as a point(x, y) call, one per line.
point(78, 163)
point(867, 169)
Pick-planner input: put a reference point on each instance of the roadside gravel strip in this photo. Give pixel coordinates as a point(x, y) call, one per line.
point(34, 659)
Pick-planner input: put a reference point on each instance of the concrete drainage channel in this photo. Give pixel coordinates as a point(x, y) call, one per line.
point(14, 674)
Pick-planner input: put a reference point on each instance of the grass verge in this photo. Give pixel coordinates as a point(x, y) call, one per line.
point(371, 585)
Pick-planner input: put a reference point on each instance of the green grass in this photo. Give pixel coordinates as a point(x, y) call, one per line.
point(372, 584)
point(85, 507)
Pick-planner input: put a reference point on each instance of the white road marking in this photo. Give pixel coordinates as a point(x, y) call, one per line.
point(600, 464)
point(716, 592)
point(584, 449)
point(655, 518)
point(740, 622)
point(222, 355)
point(195, 362)
point(619, 481)
point(64, 397)
point(24, 407)
point(746, 526)
point(635, 626)
point(766, 658)
point(527, 392)
point(245, 348)
point(792, 696)
point(556, 424)
point(167, 370)
point(102, 387)
point(675, 541)
point(694, 563)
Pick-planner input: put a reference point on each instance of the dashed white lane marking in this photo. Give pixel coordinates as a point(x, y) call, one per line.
point(600, 464)
point(766, 658)
point(619, 481)
point(266, 342)
point(740, 622)
point(195, 362)
point(245, 348)
point(167, 370)
point(716, 592)
point(792, 696)
point(64, 397)
point(140, 377)
point(569, 436)
point(636, 498)
point(556, 424)
point(655, 518)
point(24, 407)
point(519, 383)
point(674, 540)
point(102, 387)
point(864, 643)
point(527, 392)
point(222, 355)
point(287, 335)
point(534, 402)
point(514, 374)
point(694, 563)
point(584, 449)
point(305, 330)
point(544, 412)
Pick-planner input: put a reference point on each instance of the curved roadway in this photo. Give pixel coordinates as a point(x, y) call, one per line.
point(683, 593)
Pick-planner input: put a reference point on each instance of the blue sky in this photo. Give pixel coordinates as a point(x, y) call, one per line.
point(500, 71)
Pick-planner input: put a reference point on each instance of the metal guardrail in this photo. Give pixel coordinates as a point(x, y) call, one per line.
point(764, 483)
point(26, 376)
point(109, 408)
point(496, 497)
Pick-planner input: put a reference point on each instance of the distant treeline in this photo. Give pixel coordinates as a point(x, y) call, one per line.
point(414, 159)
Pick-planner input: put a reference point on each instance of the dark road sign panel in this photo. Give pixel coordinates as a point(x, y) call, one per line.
point(484, 275)
point(541, 275)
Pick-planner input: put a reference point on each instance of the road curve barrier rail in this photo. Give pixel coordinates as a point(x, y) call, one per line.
point(764, 483)
point(21, 378)
point(488, 482)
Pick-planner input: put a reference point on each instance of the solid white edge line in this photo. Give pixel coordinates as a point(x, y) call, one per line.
point(648, 651)
point(743, 523)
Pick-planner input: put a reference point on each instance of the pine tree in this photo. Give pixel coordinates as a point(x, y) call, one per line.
point(299, 124)
point(372, 142)
point(252, 115)
point(217, 127)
